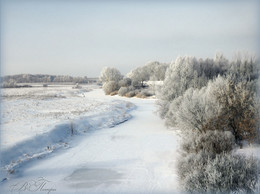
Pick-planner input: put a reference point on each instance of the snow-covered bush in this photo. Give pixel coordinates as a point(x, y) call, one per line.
point(232, 173)
point(113, 93)
point(122, 91)
point(213, 142)
point(136, 84)
point(130, 94)
point(126, 82)
point(110, 74)
point(189, 164)
point(192, 111)
point(110, 87)
point(144, 94)
point(222, 173)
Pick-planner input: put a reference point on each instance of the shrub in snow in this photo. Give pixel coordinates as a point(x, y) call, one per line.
point(187, 164)
point(143, 94)
point(113, 93)
point(122, 91)
point(110, 87)
point(130, 94)
point(126, 82)
point(136, 84)
point(222, 173)
point(110, 74)
point(232, 173)
point(214, 142)
point(192, 111)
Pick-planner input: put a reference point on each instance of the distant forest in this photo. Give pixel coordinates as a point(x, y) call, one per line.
point(42, 78)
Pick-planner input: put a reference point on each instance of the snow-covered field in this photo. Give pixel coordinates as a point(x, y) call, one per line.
point(64, 140)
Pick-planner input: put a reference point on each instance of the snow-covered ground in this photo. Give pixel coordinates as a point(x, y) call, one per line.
point(32, 111)
point(104, 154)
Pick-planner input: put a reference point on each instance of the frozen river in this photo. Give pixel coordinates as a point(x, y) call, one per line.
point(136, 156)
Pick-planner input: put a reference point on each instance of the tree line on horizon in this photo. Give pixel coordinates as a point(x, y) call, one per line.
point(13, 80)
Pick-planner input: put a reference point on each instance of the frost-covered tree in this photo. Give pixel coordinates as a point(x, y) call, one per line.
point(138, 76)
point(187, 72)
point(178, 78)
point(244, 68)
point(193, 110)
point(154, 71)
point(159, 72)
point(240, 108)
point(110, 74)
point(221, 64)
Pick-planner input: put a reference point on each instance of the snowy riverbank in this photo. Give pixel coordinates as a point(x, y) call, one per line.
point(26, 136)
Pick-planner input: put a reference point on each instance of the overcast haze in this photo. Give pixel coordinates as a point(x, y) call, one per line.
point(80, 37)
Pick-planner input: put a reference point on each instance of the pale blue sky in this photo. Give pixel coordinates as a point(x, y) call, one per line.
point(80, 37)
